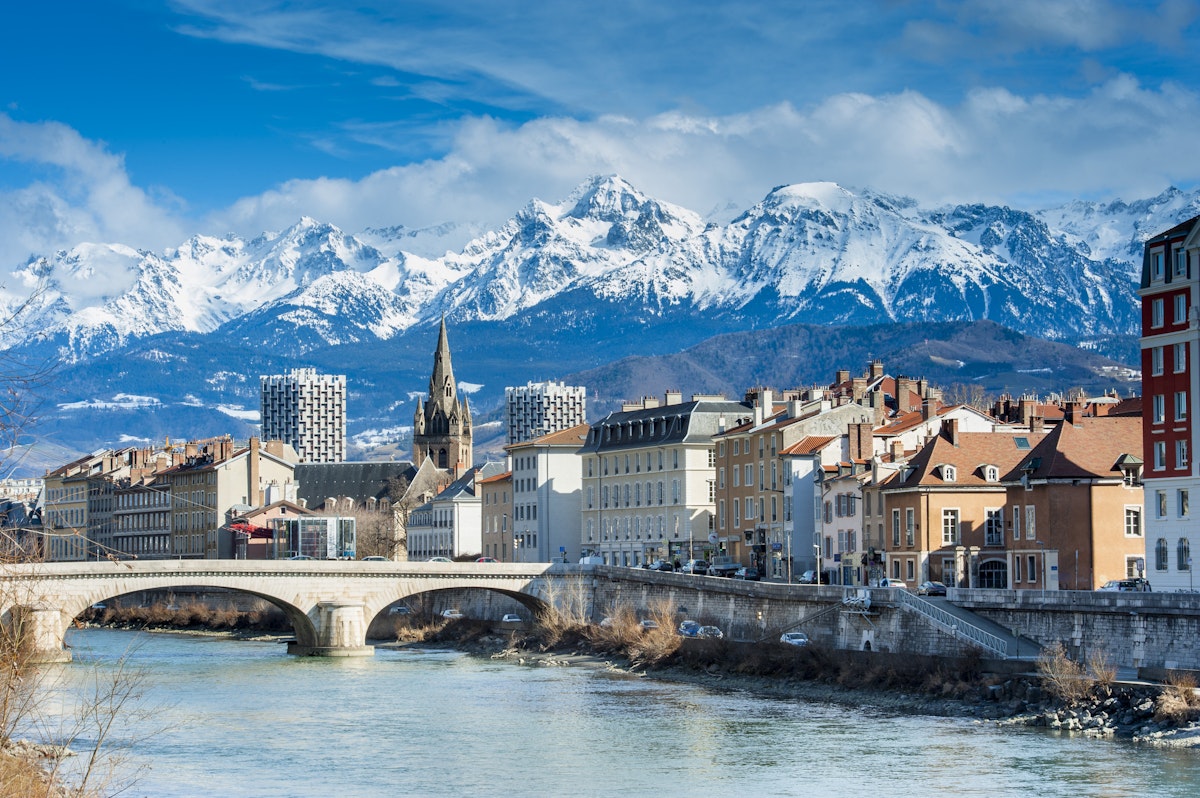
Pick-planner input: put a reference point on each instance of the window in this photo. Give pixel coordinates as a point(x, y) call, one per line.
point(1180, 358)
point(948, 473)
point(748, 476)
point(896, 528)
point(1160, 408)
point(1160, 502)
point(949, 527)
point(910, 523)
point(1180, 309)
point(736, 446)
point(1031, 574)
point(1181, 404)
point(1133, 522)
point(737, 511)
point(1156, 360)
point(1132, 568)
point(1181, 497)
point(994, 526)
point(737, 476)
point(1183, 555)
point(1160, 555)
point(1016, 519)
point(910, 569)
point(1156, 266)
point(720, 449)
point(1016, 570)
point(1030, 518)
point(1160, 455)
point(1181, 453)
point(991, 473)
point(1156, 313)
point(1181, 262)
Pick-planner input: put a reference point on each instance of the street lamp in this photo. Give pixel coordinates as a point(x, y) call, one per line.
point(817, 564)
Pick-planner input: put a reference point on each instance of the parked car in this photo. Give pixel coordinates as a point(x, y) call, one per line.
point(661, 565)
point(695, 567)
point(487, 559)
point(439, 559)
point(400, 609)
point(710, 633)
point(747, 572)
point(807, 578)
point(452, 614)
point(794, 639)
point(1137, 585)
point(931, 589)
point(374, 558)
point(511, 617)
point(724, 568)
point(888, 581)
point(648, 624)
point(689, 628)
point(301, 557)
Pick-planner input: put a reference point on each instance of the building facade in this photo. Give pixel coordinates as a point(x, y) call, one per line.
point(649, 479)
point(442, 423)
point(540, 408)
point(497, 537)
point(546, 487)
point(1170, 369)
point(308, 411)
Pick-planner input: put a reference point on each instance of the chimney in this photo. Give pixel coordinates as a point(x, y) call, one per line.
point(950, 429)
point(858, 387)
point(928, 408)
point(879, 405)
point(876, 370)
point(673, 398)
point(843, 375)
point(253, 497)
point(1073, 412)
point(905, 388)
point(860, 440)
point(1037, 425)
point(897, 449)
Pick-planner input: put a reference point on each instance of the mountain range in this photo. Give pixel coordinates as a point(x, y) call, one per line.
point(155, 343)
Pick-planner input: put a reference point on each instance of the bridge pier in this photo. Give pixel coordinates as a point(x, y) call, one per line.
point(39, 631)
point(341, 631)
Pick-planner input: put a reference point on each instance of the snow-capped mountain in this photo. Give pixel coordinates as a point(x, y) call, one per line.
point(811, 252)
point(606, 273)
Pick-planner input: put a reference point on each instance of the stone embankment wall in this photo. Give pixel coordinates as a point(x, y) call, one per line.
point(1140, 630)
point(763, 610)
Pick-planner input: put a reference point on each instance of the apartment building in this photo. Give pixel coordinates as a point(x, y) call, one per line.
point(306, 410)
point(497, 496)
point(451, 523)
point(540, 408)
point(649, 478)
point(946, 508)
point(546, 488)
point(79, 503)
point(208, 478)
point(142, 518)
point(1170, 374)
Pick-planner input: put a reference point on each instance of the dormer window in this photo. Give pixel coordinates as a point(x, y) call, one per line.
point(949, 473)
point(991, 473)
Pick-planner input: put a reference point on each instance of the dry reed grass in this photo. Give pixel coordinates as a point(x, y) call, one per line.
point(1064, 678)
point(1178, 702)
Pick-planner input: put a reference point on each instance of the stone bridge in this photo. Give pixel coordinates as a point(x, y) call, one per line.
point(329, 604)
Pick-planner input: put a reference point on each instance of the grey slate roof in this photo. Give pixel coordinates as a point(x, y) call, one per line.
point(685, 422)
point(316, 482)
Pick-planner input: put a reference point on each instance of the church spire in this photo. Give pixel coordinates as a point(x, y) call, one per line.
point(442, 391)
point(442, 424)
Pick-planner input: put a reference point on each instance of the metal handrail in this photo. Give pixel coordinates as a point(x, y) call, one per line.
point(957, 625)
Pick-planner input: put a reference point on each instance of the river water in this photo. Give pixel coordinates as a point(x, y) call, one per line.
point(240, 718)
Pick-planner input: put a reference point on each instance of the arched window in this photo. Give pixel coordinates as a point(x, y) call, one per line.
point(993, 574)
point(991, 473)
point(1160, 555)
point(1183, 555)
point(442, 459)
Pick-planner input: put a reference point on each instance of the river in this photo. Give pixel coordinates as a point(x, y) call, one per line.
point(243, 718)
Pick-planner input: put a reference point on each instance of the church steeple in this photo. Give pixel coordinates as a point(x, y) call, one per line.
point(442, 424)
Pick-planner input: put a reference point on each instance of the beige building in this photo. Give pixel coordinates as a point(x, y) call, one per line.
point(649, 479)
point(209, 478)
point(496, 494)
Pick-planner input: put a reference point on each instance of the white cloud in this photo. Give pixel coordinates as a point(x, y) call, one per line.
point(83, 193)
point(996, 146)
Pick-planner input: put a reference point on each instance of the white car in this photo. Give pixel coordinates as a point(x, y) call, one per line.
point(452, 614)
point(890, 582)
point(794, 639)
point(511, 617)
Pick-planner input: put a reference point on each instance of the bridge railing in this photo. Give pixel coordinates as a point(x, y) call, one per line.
point(958, 626)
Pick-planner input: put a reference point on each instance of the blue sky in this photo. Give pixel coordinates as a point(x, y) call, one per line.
point(145, 122)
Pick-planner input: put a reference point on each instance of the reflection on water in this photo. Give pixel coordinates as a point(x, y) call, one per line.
point(245, 719)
